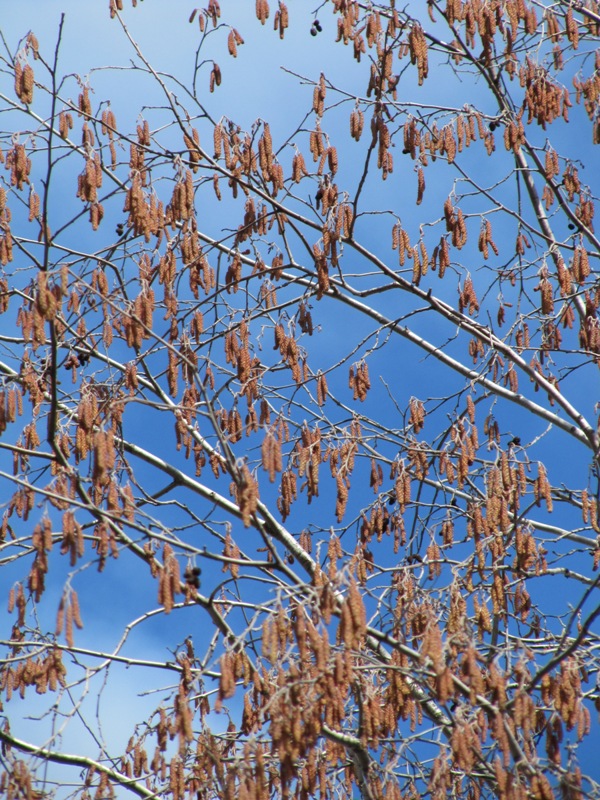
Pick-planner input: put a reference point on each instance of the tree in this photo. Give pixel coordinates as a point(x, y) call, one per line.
point(301, 409)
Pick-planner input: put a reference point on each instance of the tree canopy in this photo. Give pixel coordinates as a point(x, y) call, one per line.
point(299, 420)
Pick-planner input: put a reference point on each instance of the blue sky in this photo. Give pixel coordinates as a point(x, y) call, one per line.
point(256, 88)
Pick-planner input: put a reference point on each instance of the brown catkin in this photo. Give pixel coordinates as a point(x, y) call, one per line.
point(69, 625)
point(322, 389)
point(27, 82)
point(357, 123)
point(420, 185)
point(232, 44)
point(76, 609)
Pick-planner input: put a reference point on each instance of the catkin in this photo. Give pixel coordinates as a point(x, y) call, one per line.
point(420, 185)
point(76, 609)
